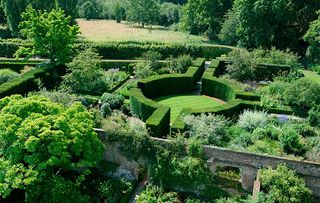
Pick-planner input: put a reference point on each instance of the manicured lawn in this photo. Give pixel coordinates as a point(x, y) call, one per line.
point(108, 30)
point(312, 75)
point(178, 102)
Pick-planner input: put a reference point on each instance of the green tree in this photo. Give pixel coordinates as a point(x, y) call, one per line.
point(282, 185)
point(199, 16)
point(84, 74)
point(2, 16)
point(144, 12)
point(14, 9)
point(51, 34)
point(46, 149)
point(313, 38)
point(279, 23)
point(88, 11)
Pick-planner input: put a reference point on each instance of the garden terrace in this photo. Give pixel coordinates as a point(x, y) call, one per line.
point(145, 100)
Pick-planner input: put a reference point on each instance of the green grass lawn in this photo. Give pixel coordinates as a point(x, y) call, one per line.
point(312, 75)
point(178, 102)
point(108, 30)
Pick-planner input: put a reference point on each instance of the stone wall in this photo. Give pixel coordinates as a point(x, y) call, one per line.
point(248, 163)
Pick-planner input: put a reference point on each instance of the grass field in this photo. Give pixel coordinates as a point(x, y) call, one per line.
point(178, 102)
point(312, 75)
point(108, 30)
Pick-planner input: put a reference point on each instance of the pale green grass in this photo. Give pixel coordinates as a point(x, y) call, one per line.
point(107, 30)
point(178, 102)
point(312, 75)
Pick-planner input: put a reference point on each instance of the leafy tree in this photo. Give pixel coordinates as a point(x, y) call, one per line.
point(227, 33)
point(14, 9)
point(50, 34)
point(279, 23)
point(88, 11)
point(282, 185)
point(144, 12)
point(169, 14)
point(313, 38)
point(84, 74)
point(46, 149)
point(199, 16)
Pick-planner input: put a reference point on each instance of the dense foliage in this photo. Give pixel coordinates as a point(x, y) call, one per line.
point(143, 12)
point(14, 9)
point(41, 29)
point(282, 185)
point(41, 141)
point(7, 75)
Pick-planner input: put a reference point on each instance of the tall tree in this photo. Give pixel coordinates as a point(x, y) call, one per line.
point(144, 12)
point(199, 16)
point(46, 149)
point(50, 33)
point(14, 8)
point(313, 38)
point(279, 23)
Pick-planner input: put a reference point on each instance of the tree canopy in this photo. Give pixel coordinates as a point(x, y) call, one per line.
point(41, 141)
point(14, 9)
point(144, 12)
point(50, 33)
point(313, 38)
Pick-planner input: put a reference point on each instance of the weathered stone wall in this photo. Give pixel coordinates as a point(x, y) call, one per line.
point(249, 164)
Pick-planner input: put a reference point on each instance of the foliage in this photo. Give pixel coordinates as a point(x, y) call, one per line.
point(7, 75)
point(37, 145)
point(41, 29)
point(279, 23)
point(243, 67)
point(227, 33)
point(88, 11)
point(113, 77)
point(112, 190)
point(14, 9)
point(250, 120)
point(291, 141)
point(314, 116)
point(152, 59)
point(180, 64)
point(115, 101)
point(84, 74)
point(59, 97)
point(144, 12)
point(169, 13)
point(283, 185)
point(313, 38)
point(142, 70)
point(210, 129)
point(199, 16)
point(154, 194)
point(303, 93)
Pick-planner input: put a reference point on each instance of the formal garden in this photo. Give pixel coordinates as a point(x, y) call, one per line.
point(134, 121)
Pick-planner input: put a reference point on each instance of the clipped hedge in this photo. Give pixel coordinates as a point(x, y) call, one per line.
point(141, 106)
point(27, 81)
point(170, 83)
point(218, 88)
point(132, 49)
point(159, 122)
point(17, 65)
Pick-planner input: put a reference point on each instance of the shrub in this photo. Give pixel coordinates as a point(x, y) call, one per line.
point(227, 33)
point(152, 59)
point(303, 93)
point(154, 194)
point(142, 70)
point(84, 75)
point(113, 77)
point(115, 101)
point(283, 185)
point(314, 116)
point(7, 75)
point(180, 64)
point(63, 98)
point(250, 120)
point(241, 68)
point(291, 141)
point(113, 190)
point(211, 129)
point(265, 146)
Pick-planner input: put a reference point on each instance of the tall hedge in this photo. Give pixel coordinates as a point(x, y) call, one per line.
point(132, 50)
point(159, 122)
